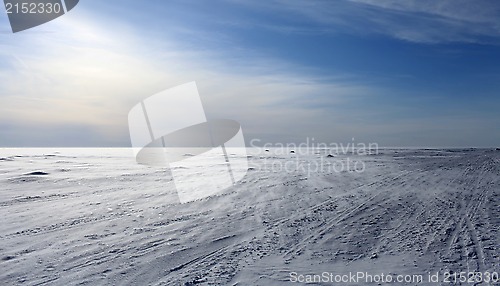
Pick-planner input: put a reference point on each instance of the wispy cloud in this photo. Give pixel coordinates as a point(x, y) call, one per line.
point(75, 79)
point(438, 21)
point(88, 77)
point(420, 21)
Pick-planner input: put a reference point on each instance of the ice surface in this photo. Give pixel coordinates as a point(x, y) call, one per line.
point(95, 217)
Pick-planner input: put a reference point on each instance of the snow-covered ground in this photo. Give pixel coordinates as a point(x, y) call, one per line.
point(95, 217)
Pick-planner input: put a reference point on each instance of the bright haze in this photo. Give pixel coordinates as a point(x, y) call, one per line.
point(398, 73)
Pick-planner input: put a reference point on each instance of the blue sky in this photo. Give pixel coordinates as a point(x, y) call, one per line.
point(398, 73)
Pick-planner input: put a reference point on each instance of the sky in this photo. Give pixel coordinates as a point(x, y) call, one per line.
point(415, 73)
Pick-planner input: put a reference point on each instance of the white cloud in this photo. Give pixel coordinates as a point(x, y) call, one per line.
point(420, 21)
point(81, 74)
point(438, 21)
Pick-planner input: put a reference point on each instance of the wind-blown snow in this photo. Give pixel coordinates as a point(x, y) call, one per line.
point(95, 217)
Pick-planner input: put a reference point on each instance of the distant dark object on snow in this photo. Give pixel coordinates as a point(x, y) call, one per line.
point(267, 150)
point(8, 257)
point(498, 149)
point(330, 156)
point(292, 152)
point(37, 173)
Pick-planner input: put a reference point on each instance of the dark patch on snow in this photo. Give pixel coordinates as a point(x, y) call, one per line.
point(37, 173)
point(8, 257)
